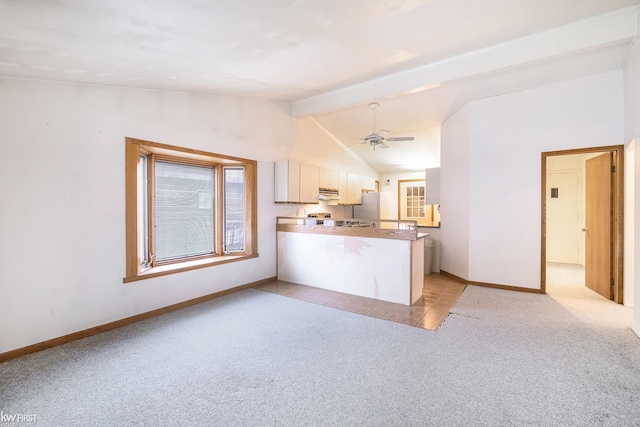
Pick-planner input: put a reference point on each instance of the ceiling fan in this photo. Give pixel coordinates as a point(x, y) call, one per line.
point(377, 139)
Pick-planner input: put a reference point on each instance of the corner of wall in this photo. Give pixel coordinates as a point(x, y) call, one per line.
point(629, 226)
point(454, 193)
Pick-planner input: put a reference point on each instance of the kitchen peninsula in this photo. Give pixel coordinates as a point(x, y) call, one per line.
point(381, 259)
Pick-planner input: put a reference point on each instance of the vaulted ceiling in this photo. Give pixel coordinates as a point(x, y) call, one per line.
point(420, 59)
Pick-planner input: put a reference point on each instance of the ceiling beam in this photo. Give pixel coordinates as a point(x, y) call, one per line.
point(599, 31)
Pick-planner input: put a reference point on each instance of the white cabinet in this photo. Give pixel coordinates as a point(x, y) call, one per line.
point(432, 184)
point(328, 178)
point(287, 185)
point(308, 183)
point(342, 187)
point(350, 188)
point(354, 189)
point(296, 182)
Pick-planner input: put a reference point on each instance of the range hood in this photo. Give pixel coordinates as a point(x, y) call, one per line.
point(330, 195)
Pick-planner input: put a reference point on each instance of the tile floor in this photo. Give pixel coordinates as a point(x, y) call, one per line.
point(429, 312)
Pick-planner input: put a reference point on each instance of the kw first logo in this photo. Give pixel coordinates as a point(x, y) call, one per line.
point(10, 419)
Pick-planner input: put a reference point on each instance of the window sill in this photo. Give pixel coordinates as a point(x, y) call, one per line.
point(165, 270)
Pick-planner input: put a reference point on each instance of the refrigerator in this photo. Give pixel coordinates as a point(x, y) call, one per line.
point(374, 206)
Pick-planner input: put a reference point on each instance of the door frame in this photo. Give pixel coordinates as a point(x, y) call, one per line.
point(617, 235)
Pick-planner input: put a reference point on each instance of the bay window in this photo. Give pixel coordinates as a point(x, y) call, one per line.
point(186, 209)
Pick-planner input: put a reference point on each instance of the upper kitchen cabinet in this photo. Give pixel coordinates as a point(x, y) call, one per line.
point(287, 185)
point(432, 184)
point(309, 183)
point(299, 183)
point(354, 189)
point(328, 178)
point(343, 185)
point(295, 182)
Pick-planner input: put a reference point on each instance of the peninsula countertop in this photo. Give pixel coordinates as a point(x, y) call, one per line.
point(371, 258)
point(360, 227)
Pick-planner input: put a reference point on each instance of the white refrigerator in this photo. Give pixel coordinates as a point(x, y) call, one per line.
point(374, 206)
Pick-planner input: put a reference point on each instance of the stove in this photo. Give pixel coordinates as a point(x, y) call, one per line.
point(317, 218)
point(319, 215)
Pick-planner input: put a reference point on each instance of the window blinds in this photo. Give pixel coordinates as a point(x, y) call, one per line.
point(184, 202)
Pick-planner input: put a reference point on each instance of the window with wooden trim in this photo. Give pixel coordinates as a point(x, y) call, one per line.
point(411, 203)
point(414, 201)
point(411, 199)
point(186, 209)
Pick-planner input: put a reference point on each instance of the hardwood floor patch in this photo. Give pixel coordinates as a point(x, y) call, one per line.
point(439, 294)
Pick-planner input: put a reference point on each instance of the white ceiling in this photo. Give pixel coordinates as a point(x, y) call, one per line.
point(330, 58)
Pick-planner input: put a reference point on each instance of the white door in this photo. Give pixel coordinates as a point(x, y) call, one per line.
point(563, 217)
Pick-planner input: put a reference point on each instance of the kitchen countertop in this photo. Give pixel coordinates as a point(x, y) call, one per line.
point(388, 230)
point(430, 224)
point(378, 259)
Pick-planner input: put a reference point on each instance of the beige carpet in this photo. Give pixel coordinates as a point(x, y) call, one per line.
point(565, 284)
point(253, 358)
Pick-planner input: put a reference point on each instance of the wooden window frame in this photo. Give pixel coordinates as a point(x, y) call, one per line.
point(428, 213)
point(157, 151)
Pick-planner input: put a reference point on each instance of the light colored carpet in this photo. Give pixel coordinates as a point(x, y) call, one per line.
point(565, 284)
point(255, 358)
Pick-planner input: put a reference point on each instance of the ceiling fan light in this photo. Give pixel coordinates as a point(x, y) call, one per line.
point(378, 138)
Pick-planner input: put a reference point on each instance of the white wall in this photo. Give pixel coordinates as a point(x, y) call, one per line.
point(62, 228)
point(632, 136)
point(315, 146)
point(454, 193)
point(62, 256)
point(629, 292)
point(503, 146)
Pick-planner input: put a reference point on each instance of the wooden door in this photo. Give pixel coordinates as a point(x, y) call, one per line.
point(599, 221)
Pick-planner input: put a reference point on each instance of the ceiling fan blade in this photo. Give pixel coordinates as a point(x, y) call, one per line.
point(383, 132)
point(400, 138)
point(359, 143)
point(382, 145)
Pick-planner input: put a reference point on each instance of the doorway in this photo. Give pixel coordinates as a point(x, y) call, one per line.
point(582, 217)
